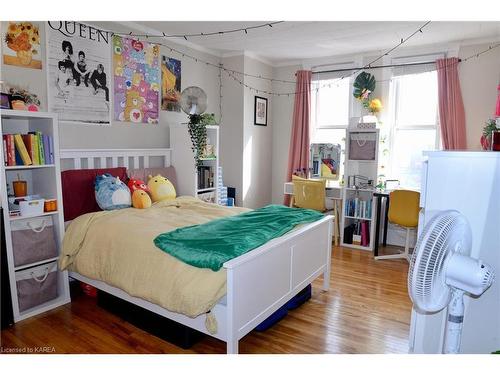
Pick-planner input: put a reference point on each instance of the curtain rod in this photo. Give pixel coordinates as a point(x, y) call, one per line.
point(376, 67)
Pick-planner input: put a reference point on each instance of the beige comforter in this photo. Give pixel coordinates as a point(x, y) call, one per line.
point(117, 247)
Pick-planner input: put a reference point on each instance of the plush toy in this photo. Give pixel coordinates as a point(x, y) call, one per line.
point(161, 188)
point(111, 193)
point(141, 199)
point(136, 184)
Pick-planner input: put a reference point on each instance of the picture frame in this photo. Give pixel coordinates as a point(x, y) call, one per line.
point(260, 111)
point(5, 100)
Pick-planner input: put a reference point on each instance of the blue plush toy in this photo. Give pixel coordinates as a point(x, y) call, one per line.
point(111, 193)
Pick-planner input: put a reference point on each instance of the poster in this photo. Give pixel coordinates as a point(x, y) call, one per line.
point(136, 80)
point(170, 84)
point(21, 45)
point(78, 57)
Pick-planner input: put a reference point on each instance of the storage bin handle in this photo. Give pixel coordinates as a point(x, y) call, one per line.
point(43, 278)
point(39, 229)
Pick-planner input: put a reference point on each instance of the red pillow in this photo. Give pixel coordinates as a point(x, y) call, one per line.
point(78, 189)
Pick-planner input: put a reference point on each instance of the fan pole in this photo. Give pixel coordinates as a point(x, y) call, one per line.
point(453, 333)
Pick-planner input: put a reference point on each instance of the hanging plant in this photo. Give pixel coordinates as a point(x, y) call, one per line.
point(198, 133)
point(364, 85)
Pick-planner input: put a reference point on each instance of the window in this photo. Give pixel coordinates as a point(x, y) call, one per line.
point(413, 126)
point(330, 103)
point(330, 113)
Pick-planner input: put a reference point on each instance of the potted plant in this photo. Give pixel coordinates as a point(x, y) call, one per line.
point(488, 128)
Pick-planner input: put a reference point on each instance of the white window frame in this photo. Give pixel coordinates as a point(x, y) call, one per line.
point(394, 128)
point(315, 106)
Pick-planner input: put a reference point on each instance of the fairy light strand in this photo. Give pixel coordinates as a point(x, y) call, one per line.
point(231, 73)
point(186, 36)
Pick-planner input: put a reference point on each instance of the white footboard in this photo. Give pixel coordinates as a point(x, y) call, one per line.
point(262, 280)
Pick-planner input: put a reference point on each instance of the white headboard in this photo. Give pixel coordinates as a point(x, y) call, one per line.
point(111, 158)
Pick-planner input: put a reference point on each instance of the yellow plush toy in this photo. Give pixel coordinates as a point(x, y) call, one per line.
point(161, 188)
point(141, 199)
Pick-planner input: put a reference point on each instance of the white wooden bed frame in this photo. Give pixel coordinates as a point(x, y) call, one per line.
point(258, 282)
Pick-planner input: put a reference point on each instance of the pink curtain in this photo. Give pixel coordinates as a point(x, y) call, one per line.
point(298, 154)
point(451, 106)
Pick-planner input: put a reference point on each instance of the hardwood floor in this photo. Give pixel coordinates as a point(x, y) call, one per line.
point(367, 310)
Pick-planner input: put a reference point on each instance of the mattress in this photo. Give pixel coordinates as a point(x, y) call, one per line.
point(116, 247)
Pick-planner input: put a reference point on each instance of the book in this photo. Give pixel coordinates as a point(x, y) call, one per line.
point(51, 150)
point(11, 156)
point(19, 160)
point(46, 149)
point(22, 149)
point(28, 144)
point(36, 150)
point(41, 151)
point(4, 140)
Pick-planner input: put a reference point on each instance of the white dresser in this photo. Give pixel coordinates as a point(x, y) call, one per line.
point(470, 183)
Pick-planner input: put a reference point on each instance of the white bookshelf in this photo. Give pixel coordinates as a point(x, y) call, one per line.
point(183, 159)
point(44, 180)
point(368, 168)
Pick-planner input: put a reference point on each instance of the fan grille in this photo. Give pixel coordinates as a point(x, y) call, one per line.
point(446, 233)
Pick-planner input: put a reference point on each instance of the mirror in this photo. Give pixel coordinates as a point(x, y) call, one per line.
point(325, 160)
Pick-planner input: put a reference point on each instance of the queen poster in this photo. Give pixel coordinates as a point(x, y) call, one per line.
point(79, 72)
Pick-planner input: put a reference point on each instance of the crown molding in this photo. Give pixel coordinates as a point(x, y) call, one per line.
point(249, 54)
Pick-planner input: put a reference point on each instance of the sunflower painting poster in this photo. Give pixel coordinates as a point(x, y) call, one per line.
point(171, 84)
point(21, 45)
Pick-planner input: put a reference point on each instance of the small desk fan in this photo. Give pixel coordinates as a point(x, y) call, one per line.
point(193, 100)
point(441, 271)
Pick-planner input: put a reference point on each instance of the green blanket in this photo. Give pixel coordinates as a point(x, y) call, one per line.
point(211, 244)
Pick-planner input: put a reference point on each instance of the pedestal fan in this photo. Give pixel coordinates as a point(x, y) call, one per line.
point(442, 271)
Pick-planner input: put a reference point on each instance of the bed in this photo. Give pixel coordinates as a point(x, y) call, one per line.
point(257, 283)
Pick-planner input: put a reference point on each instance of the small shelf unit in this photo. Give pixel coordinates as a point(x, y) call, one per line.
point(357, 229)
point(44, 180)
point(191, 181)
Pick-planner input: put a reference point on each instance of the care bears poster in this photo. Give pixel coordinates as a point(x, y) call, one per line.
point(137, 80)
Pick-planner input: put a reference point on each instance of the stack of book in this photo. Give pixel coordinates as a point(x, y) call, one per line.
point(33, 148)
point(222, 190)
point(205, 178)
point(358, 208)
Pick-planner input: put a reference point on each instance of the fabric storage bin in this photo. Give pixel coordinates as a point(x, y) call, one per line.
point(362, 145)
point(36, 285)
point(33, 240)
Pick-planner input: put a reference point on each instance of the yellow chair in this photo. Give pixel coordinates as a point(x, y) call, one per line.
point(308, 193)
point(311, 194)
point(403, 211)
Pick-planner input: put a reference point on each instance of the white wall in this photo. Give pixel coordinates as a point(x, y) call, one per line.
point(246, 156)
point(282, 129)
point(122, 134)
point(231, 128)
point(479, 78)
point(257, 140)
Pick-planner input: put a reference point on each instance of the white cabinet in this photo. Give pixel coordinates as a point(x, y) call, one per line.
point(201, 182)
point(468, 182)
point(44, 180)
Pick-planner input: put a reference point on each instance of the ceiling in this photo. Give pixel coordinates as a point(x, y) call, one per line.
point(291, 41)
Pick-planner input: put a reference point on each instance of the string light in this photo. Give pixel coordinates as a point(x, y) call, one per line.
point(231, 72)
point(205, 34)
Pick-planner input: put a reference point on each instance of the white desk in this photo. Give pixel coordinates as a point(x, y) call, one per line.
point(333, 201)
